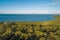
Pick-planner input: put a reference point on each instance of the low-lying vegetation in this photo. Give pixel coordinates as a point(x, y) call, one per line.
point(13, 31)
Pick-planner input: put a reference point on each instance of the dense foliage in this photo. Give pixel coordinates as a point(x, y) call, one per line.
point(13, 31)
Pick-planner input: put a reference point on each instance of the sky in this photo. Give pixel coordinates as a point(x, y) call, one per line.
point(29, 6)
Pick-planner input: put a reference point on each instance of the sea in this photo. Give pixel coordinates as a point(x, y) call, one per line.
point(26, 17)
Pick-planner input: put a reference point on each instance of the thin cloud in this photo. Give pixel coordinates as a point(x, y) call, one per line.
point(24, 12)
point(56, 1)
point(29, 12)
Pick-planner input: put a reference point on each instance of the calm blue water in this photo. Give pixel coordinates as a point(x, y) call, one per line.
point(26, 17)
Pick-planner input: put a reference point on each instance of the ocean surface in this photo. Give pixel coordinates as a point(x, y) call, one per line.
point(26, 17)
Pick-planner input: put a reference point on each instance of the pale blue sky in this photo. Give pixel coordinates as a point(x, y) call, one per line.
point(29, 6)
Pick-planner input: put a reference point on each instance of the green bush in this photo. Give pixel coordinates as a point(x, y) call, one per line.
point(13, 31)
